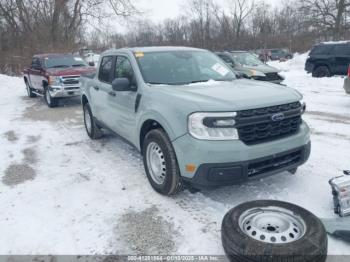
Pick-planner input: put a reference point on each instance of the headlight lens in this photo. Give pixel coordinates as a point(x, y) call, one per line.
point(213, 126)
point(303, 106)
point(55, 81)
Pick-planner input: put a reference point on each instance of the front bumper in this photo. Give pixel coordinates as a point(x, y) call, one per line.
point(347, 85)
point(229, 162)
point(61, 92)
point(309, 67)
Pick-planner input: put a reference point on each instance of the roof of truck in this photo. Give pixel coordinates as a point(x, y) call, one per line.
point(53, 55)
point(151, 49)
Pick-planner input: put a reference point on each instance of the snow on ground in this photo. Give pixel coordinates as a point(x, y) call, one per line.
point(61, 193)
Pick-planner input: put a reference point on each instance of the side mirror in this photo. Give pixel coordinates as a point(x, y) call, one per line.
point(91, 63)
point(121, 84)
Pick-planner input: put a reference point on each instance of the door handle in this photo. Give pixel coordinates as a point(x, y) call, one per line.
point(112, 94)
point(96, 88)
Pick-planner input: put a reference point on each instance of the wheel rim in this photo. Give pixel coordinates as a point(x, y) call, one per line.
point(87, 120)
point(28, 88)
point(273, 225)
point(156, 163)
point(48, 97)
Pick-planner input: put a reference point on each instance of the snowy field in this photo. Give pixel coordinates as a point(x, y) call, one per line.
point(61, 193)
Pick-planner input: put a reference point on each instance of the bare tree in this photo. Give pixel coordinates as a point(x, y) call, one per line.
point(327, 15)
point(240, 10)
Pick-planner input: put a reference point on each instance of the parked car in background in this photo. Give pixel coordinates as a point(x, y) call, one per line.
point(249, 66)
point(192, 120)
point(280, 54)
point(328, 59)
point(55, 76)
point(347, 82)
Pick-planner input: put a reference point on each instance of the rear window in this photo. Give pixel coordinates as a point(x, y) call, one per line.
point(321, 49)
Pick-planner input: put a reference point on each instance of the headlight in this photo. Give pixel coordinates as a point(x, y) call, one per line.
point(213, 126)
point(257, 73)
point(55, 81)
point(303, 106)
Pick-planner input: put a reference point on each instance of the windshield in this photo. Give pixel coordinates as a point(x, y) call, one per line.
point(64, 61)
point(246, 59)
point(182, 67)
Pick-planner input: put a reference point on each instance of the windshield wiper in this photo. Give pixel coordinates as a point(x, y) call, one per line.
point(199, 81)
point(78, 65)
point(58, 66)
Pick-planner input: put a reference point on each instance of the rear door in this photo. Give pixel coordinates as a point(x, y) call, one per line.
point(341, 57)
point(121, 105)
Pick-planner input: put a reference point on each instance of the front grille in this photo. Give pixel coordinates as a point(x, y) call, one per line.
point(70, 80)
point(259, 125)
point(274, 163)
point(269, 77)
point(272, 77)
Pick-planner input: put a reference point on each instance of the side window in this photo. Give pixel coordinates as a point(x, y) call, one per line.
point(123, 69)
point(340, 50)
point(35, 63)
point(227, 60)
point(321, 49)
point(104, 74)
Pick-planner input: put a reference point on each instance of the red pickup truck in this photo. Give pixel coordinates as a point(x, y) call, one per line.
point(55, 76)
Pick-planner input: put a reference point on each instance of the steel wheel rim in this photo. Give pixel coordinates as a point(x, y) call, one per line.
point(273, 225)
point(156, 163)
point(48, 97)
point(87, 121)
point(28, 88)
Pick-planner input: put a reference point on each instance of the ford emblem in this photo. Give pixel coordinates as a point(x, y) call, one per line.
point(278, 117)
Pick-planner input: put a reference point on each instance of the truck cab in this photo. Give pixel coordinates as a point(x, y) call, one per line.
point(55, 76)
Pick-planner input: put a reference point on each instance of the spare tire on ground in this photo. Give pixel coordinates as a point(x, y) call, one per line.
point(268, 230)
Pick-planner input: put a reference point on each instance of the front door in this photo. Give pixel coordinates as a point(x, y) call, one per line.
point(122, 104)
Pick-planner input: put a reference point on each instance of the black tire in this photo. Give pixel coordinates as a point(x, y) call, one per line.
point(239, 246)
point(50, 101)
point(172, 183)
point(29, 90)
point(293, 171)
point(321, 71)
point(95, 131)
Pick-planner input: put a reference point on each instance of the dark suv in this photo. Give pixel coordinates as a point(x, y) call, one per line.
point(330, 58)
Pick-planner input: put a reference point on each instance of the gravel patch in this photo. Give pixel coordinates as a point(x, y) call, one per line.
point(11, 136)
point(147, 233)
point(18, 174)
point(30, 156)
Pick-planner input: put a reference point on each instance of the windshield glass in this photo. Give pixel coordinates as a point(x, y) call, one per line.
point(246, 59)
point(182, 67)
point(64, 61)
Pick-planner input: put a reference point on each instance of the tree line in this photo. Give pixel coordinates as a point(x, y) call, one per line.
point(36, 26)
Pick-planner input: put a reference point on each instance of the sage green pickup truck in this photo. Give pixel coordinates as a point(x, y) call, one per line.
point(193, 121)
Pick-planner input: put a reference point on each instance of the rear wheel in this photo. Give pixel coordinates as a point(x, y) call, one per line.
point(29, 90)
point(50, 101)
point(321, 71)
point(92, 129)
point(161, 164)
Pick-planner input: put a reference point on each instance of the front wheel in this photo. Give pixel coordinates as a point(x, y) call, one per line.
point(161, 164)
point(321, 71)
point(50, 101)
point(29, 90)
point(93, 131)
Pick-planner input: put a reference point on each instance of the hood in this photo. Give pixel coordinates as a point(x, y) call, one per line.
point(232, 96)
point(261, 68)
point(69, 71)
